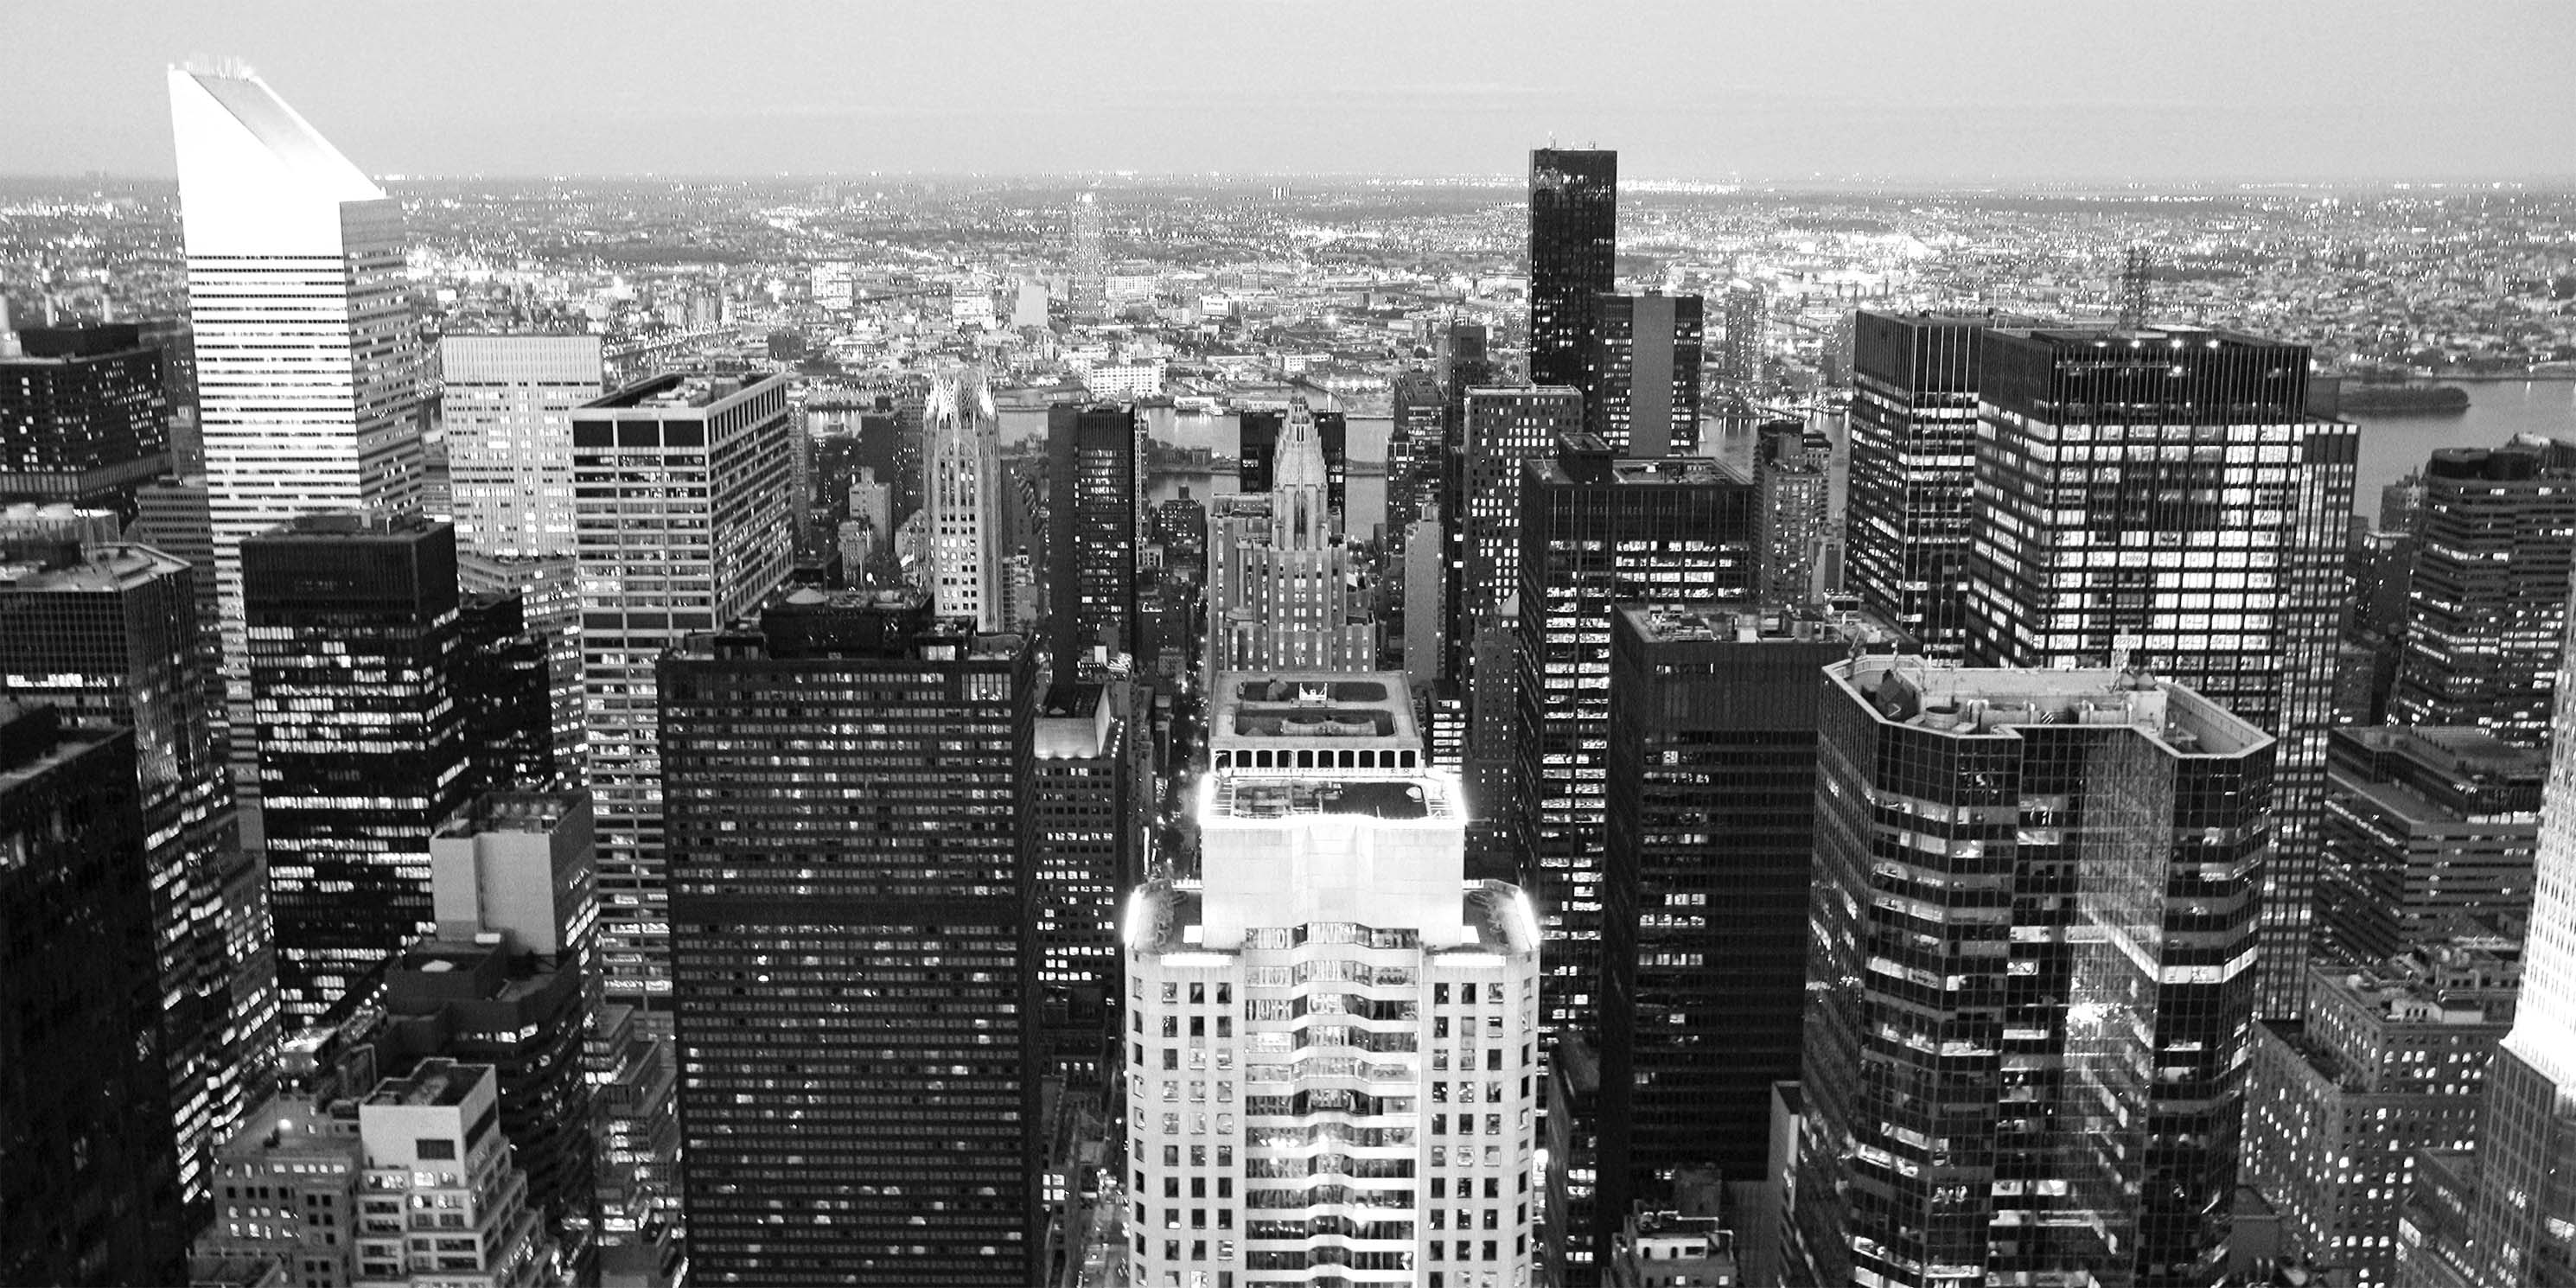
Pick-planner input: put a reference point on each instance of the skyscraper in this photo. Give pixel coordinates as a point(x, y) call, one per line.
point(307, 350)
point(1279, 572)
point(503, 682)
point(1091, 533)
point(856, 1004)
point(361, 741)
point(108, 637)
point(1332, 1057)
point(1913, 428)
point(506, 402)
point(1597, 531)
point(2207, 544)
point(84, 418)
point(687, 529)
point(2422, 826)
point(1505, 428)
point(1710, 801)
point(1085, 843)
point(2486, 603)
point(88, 1183)
point(1261, 435)
point(1793, 474)
point(962, 464)
point(1645, 365)
point(1573, 248)
point(2025, 1053)
point(1087, 271)
point(1745, 327)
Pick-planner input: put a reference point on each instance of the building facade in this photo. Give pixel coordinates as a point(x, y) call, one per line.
point(1913, 427)
point(84, 418)
point(2486, 597)
point(962, 465)
point(1279, 590)
point(1504, 429)
point(1573, 249)
point(1645, 365)
point(1092, 565)
point(2423, 826)
point(506, 404)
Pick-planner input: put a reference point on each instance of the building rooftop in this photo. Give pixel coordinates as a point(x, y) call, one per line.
point(1164, 918)
point(437, 1082)
point(1725, 623)
point(295, 1124)
point(514, 812)
point(676, 391)
point(2172, 337)
point(352, 525)
point(1994, 702)
point(100, 568)
point(1297, 711)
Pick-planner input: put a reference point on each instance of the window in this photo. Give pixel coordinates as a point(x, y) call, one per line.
point(432, 1147)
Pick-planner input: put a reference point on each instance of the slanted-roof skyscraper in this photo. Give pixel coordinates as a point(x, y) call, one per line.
point(307, 351)
point(1573, 246)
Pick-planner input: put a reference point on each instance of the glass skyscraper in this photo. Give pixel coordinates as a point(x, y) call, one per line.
point(1573, 246)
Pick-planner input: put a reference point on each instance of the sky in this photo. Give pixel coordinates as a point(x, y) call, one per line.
point(1966, 91)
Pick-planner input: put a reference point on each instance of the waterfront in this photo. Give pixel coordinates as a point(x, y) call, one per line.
point(2394, 442)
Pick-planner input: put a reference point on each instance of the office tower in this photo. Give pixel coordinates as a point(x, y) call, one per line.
point(548, 588)
point(1085, 844)
point(1279, 573)
point(307, 350)
point(108, 638)
point(84, 418)
point(504, 681)
point(2486, 605)
point(88, 1180)
point(855, 1003)
point(687, 530)
point(1710, 800)
point(1332, 1056)
point(1091, 533)
point(1415, 444)
point(1913, 427)
point(1426, 592)
point(409, 1184)
point(1087, 271)
point(2390, 1060)
point(1792, 469)
point(171, 516)
point(1181, 528)
point(2207, 545)
point(1504, 429)
point(962, 462)
point(361, 742)
point(1597, 531)
point(1262, 434)
point(506, 402)
point(1741, 361)
point(2025, 1054)
point(1573, 248)
point(1645, 362)
point(171, 334)
point(2422, 826)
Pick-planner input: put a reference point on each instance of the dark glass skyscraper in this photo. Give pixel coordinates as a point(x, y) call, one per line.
point(1091, 533)
point(1913, 429)
point(84, 418)
point(353, 639)
point(2030, 938)
point(2486, 604)
point(2163, 495)
point(505, 682)
point(853, 942)
point(1506, 427)
point(88, 1187)
point(1645, 365)
point(1573, 248)
point(1083, 841)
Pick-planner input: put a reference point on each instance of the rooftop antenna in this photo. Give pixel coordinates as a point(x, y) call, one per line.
point(2137, 288)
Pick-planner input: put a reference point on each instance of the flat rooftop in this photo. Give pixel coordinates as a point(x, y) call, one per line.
point(1996, 701)
point(1278, 710)
point(1722, 623)
point(101, 568)
point(514, 812)
point(1252, 797)
point(434, 1082)
point(1496, 915)
point(674, 392)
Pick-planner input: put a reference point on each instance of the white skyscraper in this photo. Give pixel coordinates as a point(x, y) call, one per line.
point(962, 473)
point(1332, 1074)
point(506, 402)
point(307, 352)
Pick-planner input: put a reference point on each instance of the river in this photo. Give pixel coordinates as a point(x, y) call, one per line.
point(2394, 442)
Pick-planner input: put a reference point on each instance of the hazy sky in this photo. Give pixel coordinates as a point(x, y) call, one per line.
point(2249, 89)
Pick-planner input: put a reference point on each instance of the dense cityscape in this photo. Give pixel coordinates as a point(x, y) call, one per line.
point(1125, 731)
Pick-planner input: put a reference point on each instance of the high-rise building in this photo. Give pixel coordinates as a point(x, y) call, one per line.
point(1740, 362)
point(307, 349)
point(1415, 445)
point(1279, 573)
point(1792, 469)
point(1573, 249)
point(2486, 603)
point(1085, 843)
point(361, 741)
point(1093, 485)
point(2390, 1060)
point(89, 1187)
point(686, 529)
point(1332, 1058)
point(2201, 534)
point(84, 418)
point(856, 1004)
point(109, 638)
point(1261, 435)
point(2423, 825)
point(2025, 1053)
point(1913, 427)
point(962, 464)
point(1645, 365)
point(1597, 531)
point(506, 403)
point(548, 588)
point(1505, 428)
point(503, 679)
point(1710, 800)
point(172, 517)
point(1087, 271)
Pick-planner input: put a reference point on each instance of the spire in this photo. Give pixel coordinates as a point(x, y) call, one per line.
point(1300, 514)
point(1300, 462)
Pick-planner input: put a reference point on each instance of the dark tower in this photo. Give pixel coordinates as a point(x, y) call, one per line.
point(1574, 223)
point(1091, 533)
